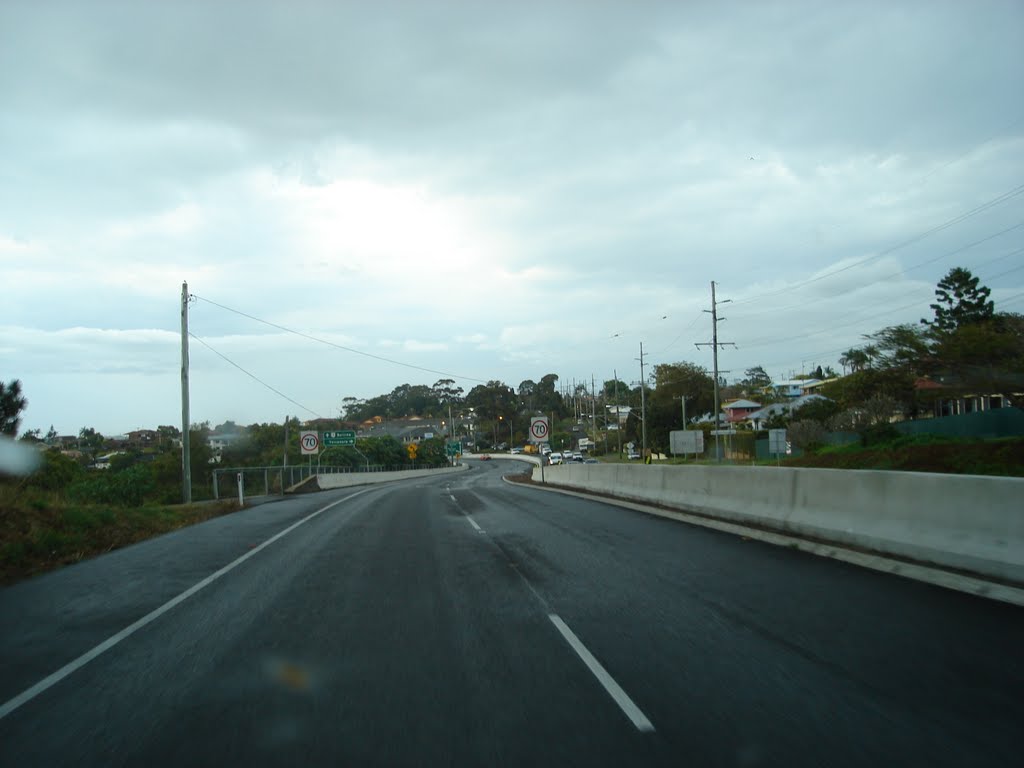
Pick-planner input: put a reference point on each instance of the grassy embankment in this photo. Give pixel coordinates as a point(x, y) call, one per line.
point(920, 453)
point(925, 453)
point(40, 531)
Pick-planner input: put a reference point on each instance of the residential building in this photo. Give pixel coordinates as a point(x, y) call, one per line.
point(757, 419)
point(738, 410)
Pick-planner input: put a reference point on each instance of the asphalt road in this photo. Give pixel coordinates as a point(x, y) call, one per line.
point(459, 620)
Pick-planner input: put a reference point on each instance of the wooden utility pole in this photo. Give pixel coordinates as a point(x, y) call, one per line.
point(715, 344)
point(186, 452)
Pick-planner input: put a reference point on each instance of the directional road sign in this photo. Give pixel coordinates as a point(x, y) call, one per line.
point(453, 449)
point(539, 430)
point(341, 438)
point(310, 443)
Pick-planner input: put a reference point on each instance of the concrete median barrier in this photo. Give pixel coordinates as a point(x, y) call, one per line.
point(328, 481)
point(963, 522)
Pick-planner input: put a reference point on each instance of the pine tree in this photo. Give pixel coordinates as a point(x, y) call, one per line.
point(960, 301)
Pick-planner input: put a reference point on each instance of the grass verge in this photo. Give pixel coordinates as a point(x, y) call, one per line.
point(41, 531)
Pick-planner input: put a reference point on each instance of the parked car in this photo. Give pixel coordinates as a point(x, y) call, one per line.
point(516, 450)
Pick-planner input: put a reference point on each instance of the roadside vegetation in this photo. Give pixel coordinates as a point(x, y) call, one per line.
point(43, 530)
point(924, 453)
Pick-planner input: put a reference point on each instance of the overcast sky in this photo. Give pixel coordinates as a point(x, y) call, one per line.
point(486, 190)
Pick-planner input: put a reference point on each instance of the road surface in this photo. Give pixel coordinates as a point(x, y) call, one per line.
point(460, 620)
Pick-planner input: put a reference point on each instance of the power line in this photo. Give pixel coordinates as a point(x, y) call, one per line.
point(342, 346)
point(817, 355)
point(677, 338)
point(253, 376)
point(932, 260)
point(917, 238)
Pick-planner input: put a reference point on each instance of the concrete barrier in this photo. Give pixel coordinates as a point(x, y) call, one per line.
point(346, 479)
point(963, 522)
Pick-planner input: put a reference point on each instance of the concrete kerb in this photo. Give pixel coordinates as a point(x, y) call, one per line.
point(930, 574)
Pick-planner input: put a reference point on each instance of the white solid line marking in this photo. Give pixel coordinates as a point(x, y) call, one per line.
point(473, 523)
point(48, 682)
point(631, 710)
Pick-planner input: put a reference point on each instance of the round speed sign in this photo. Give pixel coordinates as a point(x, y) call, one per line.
point(539, 429)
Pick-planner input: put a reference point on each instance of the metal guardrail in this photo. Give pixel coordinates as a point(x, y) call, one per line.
point(277, 479)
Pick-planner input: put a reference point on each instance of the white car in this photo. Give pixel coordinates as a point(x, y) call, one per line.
point(555, 458)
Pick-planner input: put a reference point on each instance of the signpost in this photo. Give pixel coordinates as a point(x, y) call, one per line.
point(310, 443)
point(539, 429)
point(344, 438)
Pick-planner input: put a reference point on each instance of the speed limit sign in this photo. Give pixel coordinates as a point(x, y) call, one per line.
point(539, 429)
point(310, 443)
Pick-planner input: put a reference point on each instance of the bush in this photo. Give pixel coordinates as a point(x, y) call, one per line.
point(807, 435)
point(129, 488)
point(58, 472)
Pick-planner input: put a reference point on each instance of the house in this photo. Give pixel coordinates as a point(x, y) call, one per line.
point(738, 410)
point(950, 397)
point(401, 429)
point(418, 434)
point(142, 438)
point(813, 386)
point(794, 387)
point(758, 418)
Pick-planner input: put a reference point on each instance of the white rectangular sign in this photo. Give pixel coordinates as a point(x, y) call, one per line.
point(686, 441)
point(777, 441)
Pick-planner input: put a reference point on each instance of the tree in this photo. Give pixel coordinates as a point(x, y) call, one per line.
point(808, 435)
point(527, 391)
point(960, 301)
point(673, 381)
point(755, 379)
point(820, 410)
point(855, 359)
point(446, 393)
point(900, 346)
point(12, 403)
point(985, 356)
point(89, 440)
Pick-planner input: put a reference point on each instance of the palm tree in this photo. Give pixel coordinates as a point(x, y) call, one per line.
point(857, 359)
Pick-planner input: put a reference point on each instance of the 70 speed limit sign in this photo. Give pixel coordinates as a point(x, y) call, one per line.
point(539, 429)
point(310, 443)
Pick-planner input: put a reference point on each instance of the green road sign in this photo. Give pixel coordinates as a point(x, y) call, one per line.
point(453, 449)
point(339, 439)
